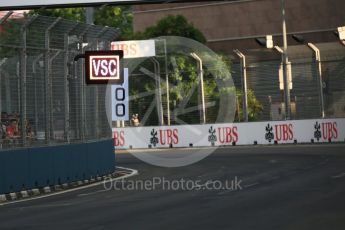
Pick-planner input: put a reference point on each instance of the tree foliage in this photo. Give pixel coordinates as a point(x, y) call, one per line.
point(113, 16)
point(175, 25)
point(255, 107)
point(73, 14)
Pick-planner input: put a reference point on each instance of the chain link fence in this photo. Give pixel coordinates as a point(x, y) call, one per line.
point(42, 88)
point(318, 81)
point(317, 88)
point(44, 99)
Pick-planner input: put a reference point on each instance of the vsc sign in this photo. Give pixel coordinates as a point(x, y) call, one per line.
point(103, 67)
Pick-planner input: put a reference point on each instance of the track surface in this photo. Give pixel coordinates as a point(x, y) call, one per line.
point(283, 187)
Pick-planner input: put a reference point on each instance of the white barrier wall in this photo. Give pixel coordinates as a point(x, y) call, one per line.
point(302, 131)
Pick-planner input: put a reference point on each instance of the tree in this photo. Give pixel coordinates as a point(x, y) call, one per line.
point(183, 73)
point(255, 107)
point(175, 26)
point(182, 69)
point(113, 16)
point(74, 14)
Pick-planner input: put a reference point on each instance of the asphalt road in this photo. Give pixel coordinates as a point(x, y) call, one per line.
point(278, 187)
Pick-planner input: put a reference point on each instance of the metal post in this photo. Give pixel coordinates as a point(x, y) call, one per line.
point(82, 90)
point(270, 103)
point(22, 79)
point(66, 91)
point(83, 101)
point(3, 61)
point(67, 125)
point(18, 85)
point(158, 92)
point(289, 78)
point(238, 109)
point(23, 86)
point(167, 83)
point(318, 60)
point(285, 69)
point(48, 85)
point(8, 93)
point(244, 84)
point(2, 20)
point(201, 88)
point(96, 112)
point(35, 91)
point(89, 11)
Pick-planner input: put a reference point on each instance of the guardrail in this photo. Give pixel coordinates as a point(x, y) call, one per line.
point(263, 133)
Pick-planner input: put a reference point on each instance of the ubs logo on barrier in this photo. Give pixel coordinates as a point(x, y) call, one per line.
point(224, 135)
point(317, 132)
point(227, 135)
point(154, 139)
point(212, 138)
point(165, 137)
point(119, 138)
point(281, 132)
point(269, 136)
point(103, 67)
point(325, 131)
point(284, 132)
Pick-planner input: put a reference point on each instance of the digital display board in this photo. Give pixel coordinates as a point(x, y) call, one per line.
point(103, 67)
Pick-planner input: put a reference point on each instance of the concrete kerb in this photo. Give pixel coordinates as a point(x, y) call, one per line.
point(24, 194)
point(64, 188)
point(3, 198)
point(35, 192)
point(13, 196)
point(47, 189)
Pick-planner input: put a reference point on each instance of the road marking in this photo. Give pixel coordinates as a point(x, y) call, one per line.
point(133, 173)
point(251, 185)
point(47, 206)
point(339, 175)
point(91, 193)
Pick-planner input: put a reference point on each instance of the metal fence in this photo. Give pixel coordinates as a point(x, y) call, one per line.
point(317, 77)
point(44, 99)
point(317, 86)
